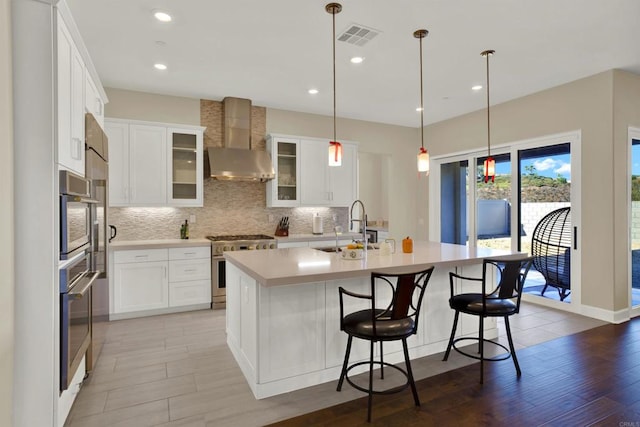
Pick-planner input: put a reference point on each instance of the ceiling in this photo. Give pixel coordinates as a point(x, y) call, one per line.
point(273, 51)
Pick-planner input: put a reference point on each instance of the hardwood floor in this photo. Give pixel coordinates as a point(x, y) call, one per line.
point(176, 370)
point(590, 378)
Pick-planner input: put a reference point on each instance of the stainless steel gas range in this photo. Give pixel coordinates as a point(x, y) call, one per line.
point(221, 244)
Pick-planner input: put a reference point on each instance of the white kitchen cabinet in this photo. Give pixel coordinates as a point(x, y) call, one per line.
point(154, 164)
point(284, 189)
point(141, 280)
point(189, 276)
point(70, 100)
point(304, 177)
point(185, 167)
point(92, 101)
point(324, 185)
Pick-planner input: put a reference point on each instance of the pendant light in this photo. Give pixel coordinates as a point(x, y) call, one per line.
point(335, 148)
point(490, 162)
point(423, 154)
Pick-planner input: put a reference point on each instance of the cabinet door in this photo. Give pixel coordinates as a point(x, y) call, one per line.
point(343, 179)
point(70, 122)
point(140, 286)
point(314, 173)
point(185, 167)
point(92, 101)
point(147, 165)
point(284, 189)
point(118, 134)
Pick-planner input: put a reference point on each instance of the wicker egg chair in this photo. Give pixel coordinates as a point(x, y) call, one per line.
point(551, 249)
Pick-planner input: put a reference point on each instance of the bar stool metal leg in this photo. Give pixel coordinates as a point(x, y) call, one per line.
point(370, 382)
point(513, 351)
point(410, 373)
point(381, 362)
point(345, 364)
point(453, 334)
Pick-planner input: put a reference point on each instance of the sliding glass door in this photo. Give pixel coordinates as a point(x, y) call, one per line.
point(533, 178)
point(634, 225)
point(544, 186)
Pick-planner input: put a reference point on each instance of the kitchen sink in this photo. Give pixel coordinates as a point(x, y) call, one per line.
point(332, 249)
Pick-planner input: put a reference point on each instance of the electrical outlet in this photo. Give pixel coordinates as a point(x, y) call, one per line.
point(192, 218)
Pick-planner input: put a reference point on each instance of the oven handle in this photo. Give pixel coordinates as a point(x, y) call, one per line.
point(85, 288)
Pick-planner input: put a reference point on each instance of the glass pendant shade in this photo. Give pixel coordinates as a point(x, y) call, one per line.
point(423, 160)
point(489, 169)
point(335, 153)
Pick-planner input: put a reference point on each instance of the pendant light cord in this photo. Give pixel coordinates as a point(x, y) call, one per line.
point(421, 101)
point(333, 14)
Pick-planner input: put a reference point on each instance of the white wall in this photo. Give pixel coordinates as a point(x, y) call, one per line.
point(6, 219)
point(36, 294)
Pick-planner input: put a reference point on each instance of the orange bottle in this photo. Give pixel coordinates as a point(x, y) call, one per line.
point(407, 245)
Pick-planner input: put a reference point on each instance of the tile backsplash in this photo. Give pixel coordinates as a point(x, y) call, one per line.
point(230, 207)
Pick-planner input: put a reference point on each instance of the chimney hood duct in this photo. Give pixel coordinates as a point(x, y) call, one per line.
point(236, 160)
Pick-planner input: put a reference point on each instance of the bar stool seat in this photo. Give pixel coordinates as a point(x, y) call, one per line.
point(403, 294)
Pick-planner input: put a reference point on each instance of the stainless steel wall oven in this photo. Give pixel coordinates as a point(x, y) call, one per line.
point(75, 208)
point(75, 316)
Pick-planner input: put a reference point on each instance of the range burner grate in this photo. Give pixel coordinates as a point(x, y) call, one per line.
point(234, 237)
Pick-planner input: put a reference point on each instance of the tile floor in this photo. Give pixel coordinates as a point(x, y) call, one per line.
point(176, 370)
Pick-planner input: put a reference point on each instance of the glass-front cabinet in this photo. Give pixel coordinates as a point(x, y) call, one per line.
point(284, 190)
point(185, 167)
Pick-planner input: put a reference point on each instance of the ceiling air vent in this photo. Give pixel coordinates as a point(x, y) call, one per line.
point(358, 35)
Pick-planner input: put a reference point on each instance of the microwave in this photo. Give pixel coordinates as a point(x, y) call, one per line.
point(75, 209)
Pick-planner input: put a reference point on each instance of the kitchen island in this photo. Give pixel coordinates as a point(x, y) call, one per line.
point(283, 314)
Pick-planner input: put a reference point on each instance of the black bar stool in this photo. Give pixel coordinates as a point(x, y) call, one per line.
point(501, 301)
point(390, 319)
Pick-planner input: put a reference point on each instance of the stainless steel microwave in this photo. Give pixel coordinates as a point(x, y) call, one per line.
point(75, 221)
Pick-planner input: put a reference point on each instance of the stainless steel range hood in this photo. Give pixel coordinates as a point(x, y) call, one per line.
point(236, 160)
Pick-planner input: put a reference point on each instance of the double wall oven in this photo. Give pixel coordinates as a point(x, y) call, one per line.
point(221, 244)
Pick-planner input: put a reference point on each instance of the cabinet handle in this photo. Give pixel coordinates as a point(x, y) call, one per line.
point(189, 253)
point(98, 106)
point(77, 153)
point(165, 271)
point(191, 270)
point(142, 256)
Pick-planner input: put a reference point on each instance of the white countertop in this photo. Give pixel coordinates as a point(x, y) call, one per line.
point(289, 266)
point(157, 244)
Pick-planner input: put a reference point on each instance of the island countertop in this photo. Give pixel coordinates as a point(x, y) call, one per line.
point(289, 266)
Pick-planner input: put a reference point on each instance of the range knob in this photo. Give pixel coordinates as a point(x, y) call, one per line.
point(232, 248)
point(272, 245)
point(225, 248)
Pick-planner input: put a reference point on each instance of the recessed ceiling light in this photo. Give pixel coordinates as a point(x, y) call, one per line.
point(159, 66)
point(357, 59)
point(476, 87)
point(162, 16)
point(313, 91)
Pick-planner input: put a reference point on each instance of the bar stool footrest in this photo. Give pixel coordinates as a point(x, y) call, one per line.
point(392, 390)
point(496, 358)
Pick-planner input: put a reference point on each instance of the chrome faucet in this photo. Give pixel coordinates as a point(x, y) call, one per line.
point(362, 221)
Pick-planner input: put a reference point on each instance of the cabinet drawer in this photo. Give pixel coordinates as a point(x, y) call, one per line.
point(184, 270)
point(144, 255)
point(190, 253)
point(186, 293)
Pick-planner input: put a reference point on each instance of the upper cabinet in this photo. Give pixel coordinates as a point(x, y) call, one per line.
point(154, 164)
point(304, 177)
point(284, 190)
point(70, 99)
point(77, 92)
point(185, 167)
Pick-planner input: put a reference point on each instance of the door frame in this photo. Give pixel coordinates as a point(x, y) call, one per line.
point(571, 137)
point(632, 133)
